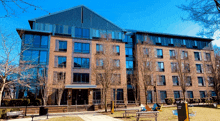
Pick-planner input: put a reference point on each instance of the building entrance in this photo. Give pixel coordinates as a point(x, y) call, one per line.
point(79, 96)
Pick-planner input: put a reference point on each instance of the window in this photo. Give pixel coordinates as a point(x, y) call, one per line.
point(116, 79)
point(81, 47)
point(43, 57)
point(99, 63)
point(116, 64)
point(129, 64)
point(161, 80)
point(176, 94)
point(199, 68)
point(202, 94)
point(173, 67)
point(28, 38)
point(163, 96)
point(158, 40)
point(186, 67)
point(207, 57)
point(80, 78)
point(159, 53)
point(184, 42)
point(96, 96)
point(31, 56)
point(201, 81)
point(195, 44)
point(211, 81)
point(160, 66)
point(184, 55)
point(81, 33)
point(128, 39)
point(61, 62)
point(170, 42)
point(116, 49)
point(99, 48)
point(147, 65)
point(172, 54)
point(146, 52)
point(69, 29)
point(209, 68)
point(128, 51)
point(44, 41)
point(175, 81)
point(120, 96)
point(213, 93)
point(81, 62)
point(148, 80)
point(188, 81)
point(190, 94)
point(99, 78)
point(36, 40)
point(62, 46)
point(59, 77)
point(197, 56)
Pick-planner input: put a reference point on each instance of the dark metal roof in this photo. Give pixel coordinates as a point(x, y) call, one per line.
point(73, 17)
point(168, 35)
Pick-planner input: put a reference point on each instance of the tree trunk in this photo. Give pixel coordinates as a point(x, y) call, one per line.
point(105, 102)
point(1, 91)
point(146, 96)
point(184, 97)
point(44, 100)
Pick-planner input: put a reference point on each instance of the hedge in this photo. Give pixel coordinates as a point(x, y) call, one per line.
point(16, 102)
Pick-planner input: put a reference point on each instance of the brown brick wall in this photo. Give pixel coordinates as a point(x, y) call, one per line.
point(169, 88)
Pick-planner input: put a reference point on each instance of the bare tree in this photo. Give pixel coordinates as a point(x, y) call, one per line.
point(204, 12)
point(43, 84)
point(105, 69)
point(12, 72)
point(13, 7)
point(60, 85)
point(145, 64)
point(181, 66)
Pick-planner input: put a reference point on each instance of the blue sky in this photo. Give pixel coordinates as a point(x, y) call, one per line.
point(157, 16)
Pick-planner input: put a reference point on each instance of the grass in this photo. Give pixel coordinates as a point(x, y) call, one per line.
point(202, 114)
point(75, 118)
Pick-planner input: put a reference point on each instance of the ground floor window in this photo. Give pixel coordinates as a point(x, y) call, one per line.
point(213, 93)
point(96, 96)
point(130, 94)
point(163, 95)
point(149, 96)
point(202, 94)
point(190, 94)
point(176, 94)
point(120, 95)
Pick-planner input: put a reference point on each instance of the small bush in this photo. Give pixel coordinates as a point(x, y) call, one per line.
point(169, 101)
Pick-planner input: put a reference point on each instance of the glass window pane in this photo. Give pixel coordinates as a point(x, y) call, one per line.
point(36, 42)
point(27, 55)
point(44, 41)
point(28, 38)
point(43, 57)
point(35, 56)
point(63, 46)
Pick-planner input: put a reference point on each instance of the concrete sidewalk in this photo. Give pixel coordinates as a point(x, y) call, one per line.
point(85, 117)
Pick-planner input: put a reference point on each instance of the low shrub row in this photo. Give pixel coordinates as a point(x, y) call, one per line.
point(170, 101)
point(21, 102)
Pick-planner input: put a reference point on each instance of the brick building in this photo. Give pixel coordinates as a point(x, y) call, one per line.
point(67, 43)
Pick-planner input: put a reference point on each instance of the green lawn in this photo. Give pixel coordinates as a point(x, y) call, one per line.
point(202, 114)
point(75, 118)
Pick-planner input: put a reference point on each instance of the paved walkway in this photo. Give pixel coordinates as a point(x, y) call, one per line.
point(99, 117)
point(85, 117)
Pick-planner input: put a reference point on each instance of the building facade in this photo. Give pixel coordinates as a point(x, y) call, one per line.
point(66, 46)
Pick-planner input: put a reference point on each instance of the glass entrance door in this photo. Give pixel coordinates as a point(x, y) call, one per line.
point(79, 96)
